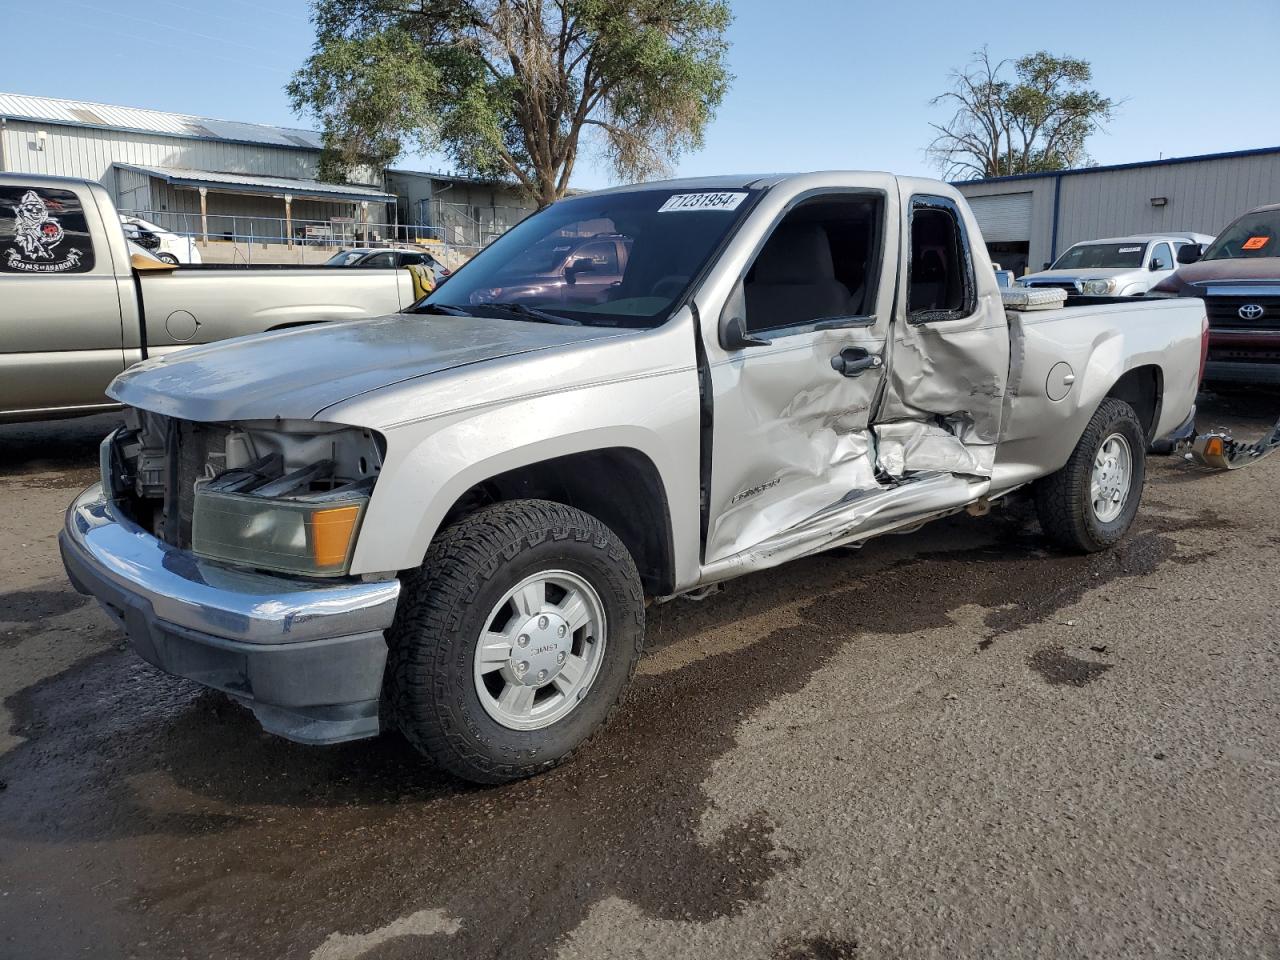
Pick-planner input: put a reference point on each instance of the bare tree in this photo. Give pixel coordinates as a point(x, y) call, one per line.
point(1037, 120)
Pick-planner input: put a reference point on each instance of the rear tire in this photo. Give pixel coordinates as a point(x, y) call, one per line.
point(1091, 502)
point(556, 590)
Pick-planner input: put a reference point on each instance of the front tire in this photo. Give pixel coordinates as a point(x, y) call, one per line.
point(1091, 502)
point(168, 258)
point(514, 640)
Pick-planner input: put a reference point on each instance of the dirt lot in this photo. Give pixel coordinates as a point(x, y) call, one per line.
point(952, 744)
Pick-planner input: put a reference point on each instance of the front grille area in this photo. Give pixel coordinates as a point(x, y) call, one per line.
point(193, 447)
point(1068, 285)
point(156, 464)
point(1225, 312)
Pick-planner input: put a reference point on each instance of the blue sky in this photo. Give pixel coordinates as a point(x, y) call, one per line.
point(820, 83)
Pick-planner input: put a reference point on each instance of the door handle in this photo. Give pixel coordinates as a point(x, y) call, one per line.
point(851, 361)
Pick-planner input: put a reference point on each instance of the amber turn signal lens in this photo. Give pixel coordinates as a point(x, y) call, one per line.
point(331, 532)
point(1213, 447)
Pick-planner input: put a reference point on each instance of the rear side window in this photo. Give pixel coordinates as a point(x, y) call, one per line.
point(940, 278)
point(43, 231)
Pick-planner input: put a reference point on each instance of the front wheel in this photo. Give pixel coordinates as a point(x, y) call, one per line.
point(167, 258)
point(1090, 503)
point(514, 640)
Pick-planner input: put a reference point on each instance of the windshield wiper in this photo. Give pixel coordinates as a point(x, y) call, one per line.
point(441, 308)
point(526, 312)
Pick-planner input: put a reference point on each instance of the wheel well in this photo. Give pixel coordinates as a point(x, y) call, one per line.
point(618, 486)
point(1143, 389)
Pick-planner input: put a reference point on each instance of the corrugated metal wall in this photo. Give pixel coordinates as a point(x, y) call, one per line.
point(132, 190)
point(82, 152)
point(1203, 197)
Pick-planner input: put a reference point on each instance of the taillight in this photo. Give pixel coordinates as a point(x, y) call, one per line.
point(1204, 347)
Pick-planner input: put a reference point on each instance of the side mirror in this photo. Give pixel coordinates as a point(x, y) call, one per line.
point(1190, 253)
point(733, 325)
point(1048, 265)
point(575, 267)
point(1157, 265)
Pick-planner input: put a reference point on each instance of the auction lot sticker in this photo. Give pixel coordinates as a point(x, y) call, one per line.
point(682, 202)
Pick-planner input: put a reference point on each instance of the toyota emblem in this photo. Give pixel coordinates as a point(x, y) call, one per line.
point(1251, 311)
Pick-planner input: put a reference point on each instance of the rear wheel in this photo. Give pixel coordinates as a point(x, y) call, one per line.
point(1090, 503)
point(514, 640)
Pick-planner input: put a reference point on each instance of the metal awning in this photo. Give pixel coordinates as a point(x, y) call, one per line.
point(245, 183)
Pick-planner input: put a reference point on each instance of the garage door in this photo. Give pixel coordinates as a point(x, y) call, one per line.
point(1003, 218)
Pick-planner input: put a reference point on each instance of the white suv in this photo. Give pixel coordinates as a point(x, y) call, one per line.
point(1116, 266)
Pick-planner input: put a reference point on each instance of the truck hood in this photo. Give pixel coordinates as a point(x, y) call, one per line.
point(294, 374)
point(1252, 268)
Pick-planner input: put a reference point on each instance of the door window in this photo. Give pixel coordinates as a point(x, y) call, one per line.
point(43, 231)
point(602, 257)
point(940, 278)
point(821, 262)
point(1161, 257)
point(379, 260)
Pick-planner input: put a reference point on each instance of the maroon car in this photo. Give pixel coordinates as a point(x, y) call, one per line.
point(562, 270)
point(1238, 276)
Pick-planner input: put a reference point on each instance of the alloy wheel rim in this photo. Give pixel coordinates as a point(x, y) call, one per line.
point(1111, 478)
point(540, 650)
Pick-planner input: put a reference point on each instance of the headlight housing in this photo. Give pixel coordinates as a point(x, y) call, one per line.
point(312, 536)
point(286, 500)
point(1098, 288)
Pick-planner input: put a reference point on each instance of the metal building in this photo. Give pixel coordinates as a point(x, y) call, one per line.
point(460, 211)
point(1029, 219)
point(220, 179)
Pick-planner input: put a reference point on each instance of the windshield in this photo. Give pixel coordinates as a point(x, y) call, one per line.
point(614, 259)
point(1253, 235)
point(1101, 256)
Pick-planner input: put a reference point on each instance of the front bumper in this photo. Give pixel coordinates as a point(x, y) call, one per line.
point(306, 656)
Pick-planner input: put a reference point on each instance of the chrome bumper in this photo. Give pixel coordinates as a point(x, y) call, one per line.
point(306, 656)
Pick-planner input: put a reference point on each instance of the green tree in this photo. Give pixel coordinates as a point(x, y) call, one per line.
point(1035, 121)
point(509, 88)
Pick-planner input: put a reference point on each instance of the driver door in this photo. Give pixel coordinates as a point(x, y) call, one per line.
point(791, 434)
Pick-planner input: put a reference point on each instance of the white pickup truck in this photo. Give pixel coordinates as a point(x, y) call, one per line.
point(76, 308)
point(450, 520)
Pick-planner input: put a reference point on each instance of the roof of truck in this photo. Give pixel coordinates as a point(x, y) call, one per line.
point(739, 181)
point(1144, 237)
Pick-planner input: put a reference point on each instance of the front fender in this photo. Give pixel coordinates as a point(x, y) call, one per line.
point(431, 464)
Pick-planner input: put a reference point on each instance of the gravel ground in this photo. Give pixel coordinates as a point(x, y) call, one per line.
point(952, 744)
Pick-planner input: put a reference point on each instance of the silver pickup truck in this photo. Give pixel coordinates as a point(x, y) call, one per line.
point(76, 308)
point(451, 520)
